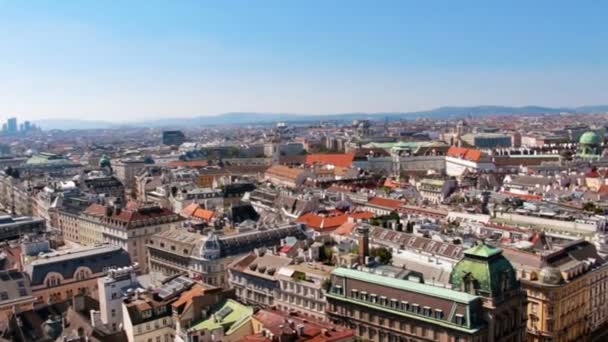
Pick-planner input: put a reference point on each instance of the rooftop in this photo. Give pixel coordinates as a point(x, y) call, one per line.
point(402, 284)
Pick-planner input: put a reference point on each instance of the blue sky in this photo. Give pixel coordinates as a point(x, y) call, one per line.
point(146, 59)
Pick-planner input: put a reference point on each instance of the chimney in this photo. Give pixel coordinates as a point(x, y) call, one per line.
point(363, 242)
point(109, 210)
point(300, 329)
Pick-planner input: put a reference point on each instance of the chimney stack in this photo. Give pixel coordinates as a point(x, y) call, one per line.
point(363, 242)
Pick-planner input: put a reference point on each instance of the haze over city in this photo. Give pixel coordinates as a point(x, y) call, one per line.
point(163, 59)
point(303, 171)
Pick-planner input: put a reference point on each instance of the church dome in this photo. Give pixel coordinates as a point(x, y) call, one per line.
point(590, 138)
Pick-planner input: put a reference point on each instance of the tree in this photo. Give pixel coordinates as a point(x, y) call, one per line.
point(385, 254)
point(326, 254)
point(589, 206)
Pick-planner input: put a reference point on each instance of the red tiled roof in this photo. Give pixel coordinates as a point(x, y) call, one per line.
point(464, 153)
point(204, 214)
point(603, 189)
point(386, 202)
point(277, 323)
point(129, 214)
point(284, 171)
point(523, 196)
point(346, 228)
point(332, 220)
point(361, 215)
point(194, 210)
point(189, 209)
point(186, 297)
point(337, 159)
point(322, 222)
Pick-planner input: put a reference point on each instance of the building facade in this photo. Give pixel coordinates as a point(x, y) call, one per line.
point(485, 303)
point(129, 228)
point(60, 276)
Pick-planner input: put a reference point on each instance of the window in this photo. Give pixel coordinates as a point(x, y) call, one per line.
point(3, 295)
point(438, 314)
point(113, 312)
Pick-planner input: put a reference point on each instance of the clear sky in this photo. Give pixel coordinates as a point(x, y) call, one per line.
point(128, 60)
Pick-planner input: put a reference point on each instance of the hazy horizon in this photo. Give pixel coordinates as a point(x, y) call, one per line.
point(148, 60)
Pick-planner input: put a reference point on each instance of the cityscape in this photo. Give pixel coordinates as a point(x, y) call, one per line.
point(320, 222)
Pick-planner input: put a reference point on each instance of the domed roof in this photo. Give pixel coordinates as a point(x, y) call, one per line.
point(486, 268)
point(104, 161)
point(550, 275)
point(210, 247)
point(590, 138)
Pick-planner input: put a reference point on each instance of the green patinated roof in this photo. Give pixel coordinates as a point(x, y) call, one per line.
point(407, 285)
point(590, 138)
point(486, 265)
point(104, 161)
point(239, 314)
point(45, 158)
point(483, 250)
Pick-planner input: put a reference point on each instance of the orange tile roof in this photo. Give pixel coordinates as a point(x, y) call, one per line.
point(195, 210)
point(189, 209)
point(337, 159)
point(321, 222)
point(523, 196)
point(362, 215)
point(186, 297)
point(284, 171)
point(386, 202)
point(464, 153)
point(132, 213)
point(346, 228)
point(203, 214)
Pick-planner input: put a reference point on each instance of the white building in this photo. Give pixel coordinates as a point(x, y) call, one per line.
point(459, 159)
point(112, 289)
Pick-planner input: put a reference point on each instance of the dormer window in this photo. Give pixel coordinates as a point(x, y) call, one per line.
point(405, 306)
point(355, 293)
point(415, 308)
point(338, 289)
point(460, 320)
point(438, 313)
point(146, 313)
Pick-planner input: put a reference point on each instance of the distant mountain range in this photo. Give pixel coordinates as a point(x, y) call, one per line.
point(265, 118)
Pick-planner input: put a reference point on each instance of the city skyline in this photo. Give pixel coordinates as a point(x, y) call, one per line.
point(155, 60)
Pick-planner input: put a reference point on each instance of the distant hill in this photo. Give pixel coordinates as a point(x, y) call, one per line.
point(264, 118)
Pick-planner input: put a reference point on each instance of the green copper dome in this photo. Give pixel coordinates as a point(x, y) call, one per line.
point(483, 271)
point(104, 161)
point(590, 138)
